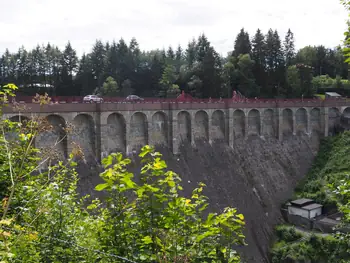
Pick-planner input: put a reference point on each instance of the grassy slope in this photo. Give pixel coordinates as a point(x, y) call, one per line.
point(331, 164)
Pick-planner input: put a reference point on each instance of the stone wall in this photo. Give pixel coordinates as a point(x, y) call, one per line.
point(99, 133)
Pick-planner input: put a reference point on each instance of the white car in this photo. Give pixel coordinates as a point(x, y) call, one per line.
point(134, 98)
point(92, 98)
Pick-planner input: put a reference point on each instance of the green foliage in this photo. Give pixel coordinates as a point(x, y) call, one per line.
point(287, 233)
point(150, 221)
point(299, 79)
point(325, 81)
point(330, 166)
point(110, 87)
point(311, 248)
point(167, 82)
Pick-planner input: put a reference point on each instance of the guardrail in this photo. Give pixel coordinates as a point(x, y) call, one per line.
point(228, 101)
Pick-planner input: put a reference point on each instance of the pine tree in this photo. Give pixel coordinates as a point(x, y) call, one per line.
point(289, 48)
point(112, 60)
point(191, 53)
point(170, 54)
point(22, 56)
point(275, 64)
point(70, 60)
point(85, 76)
point(242, 43)
point(259, 57)
point(179, 54)
point(202, 48)
point(98, 56)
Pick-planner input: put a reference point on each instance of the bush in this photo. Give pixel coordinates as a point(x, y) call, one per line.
point(287, 233)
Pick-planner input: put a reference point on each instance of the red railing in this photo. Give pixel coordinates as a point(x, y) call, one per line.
point(289, 102)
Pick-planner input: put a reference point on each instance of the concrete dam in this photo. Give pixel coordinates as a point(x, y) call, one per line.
point(250, 155)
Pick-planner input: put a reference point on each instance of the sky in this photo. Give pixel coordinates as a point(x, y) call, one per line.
point(160, 23)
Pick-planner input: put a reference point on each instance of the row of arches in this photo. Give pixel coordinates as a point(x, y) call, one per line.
point(116, 136)
point(54, 137)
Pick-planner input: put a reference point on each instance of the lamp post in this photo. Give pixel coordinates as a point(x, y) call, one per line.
point(96, 84)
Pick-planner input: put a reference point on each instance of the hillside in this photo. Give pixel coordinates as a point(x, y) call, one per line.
point(331, 164)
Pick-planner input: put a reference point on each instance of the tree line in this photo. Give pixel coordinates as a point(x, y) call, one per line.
point(260, 66)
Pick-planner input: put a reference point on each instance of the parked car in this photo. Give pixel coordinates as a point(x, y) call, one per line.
point(133, 98)
point(92, 98)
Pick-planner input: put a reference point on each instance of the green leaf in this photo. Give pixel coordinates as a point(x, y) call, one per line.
point(101, 187)
point(145, 150)
point(147, 240)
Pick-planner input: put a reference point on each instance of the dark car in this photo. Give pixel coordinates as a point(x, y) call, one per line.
point(133, 98)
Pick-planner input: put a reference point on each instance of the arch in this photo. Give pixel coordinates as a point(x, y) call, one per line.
point(254, 122)
point(238, 124)
point(116, 133)
point(11, 132)
point(201, 125)
point(346, 112)
point(269, 124)
point(19, 118)
point(287, 122)
point(84, 135)
point(301, 121)
point(218, 125)
point(54, 134)
point(184, 126)
point(159, 134)
point(334, 118)
point(138, 131)
point(315, 120)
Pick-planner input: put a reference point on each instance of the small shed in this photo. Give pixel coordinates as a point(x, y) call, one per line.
point(304, 207)
point(332, 95)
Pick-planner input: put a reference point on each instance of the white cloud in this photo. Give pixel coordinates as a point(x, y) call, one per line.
point(160, 23)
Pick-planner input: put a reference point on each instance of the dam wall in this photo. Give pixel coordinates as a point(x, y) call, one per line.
point(108, 127)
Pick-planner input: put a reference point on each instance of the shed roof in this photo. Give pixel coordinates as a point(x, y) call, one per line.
point(302, 201)
point(333, 94)
point(311, 207)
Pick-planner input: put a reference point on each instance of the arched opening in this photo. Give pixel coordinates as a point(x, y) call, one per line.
point(315, 120)
point(11, 132)
point(345, 119)
point(301, 121)
point(184, 126)
point(269, 125)
point(138, 131)
point(159, 132)
point(19, 118)
point(334, 117)
point(116, 134)
point(53, 140)
point(218, 126)
point(346, 112)
point(238, 124)
point(253, 122)
point(287, 124)
point(201, 125)
point(84, 135)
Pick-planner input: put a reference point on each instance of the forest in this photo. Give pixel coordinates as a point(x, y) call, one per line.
point(264, 65)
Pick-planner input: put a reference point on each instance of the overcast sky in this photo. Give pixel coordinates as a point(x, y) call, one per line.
point(160, 23)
